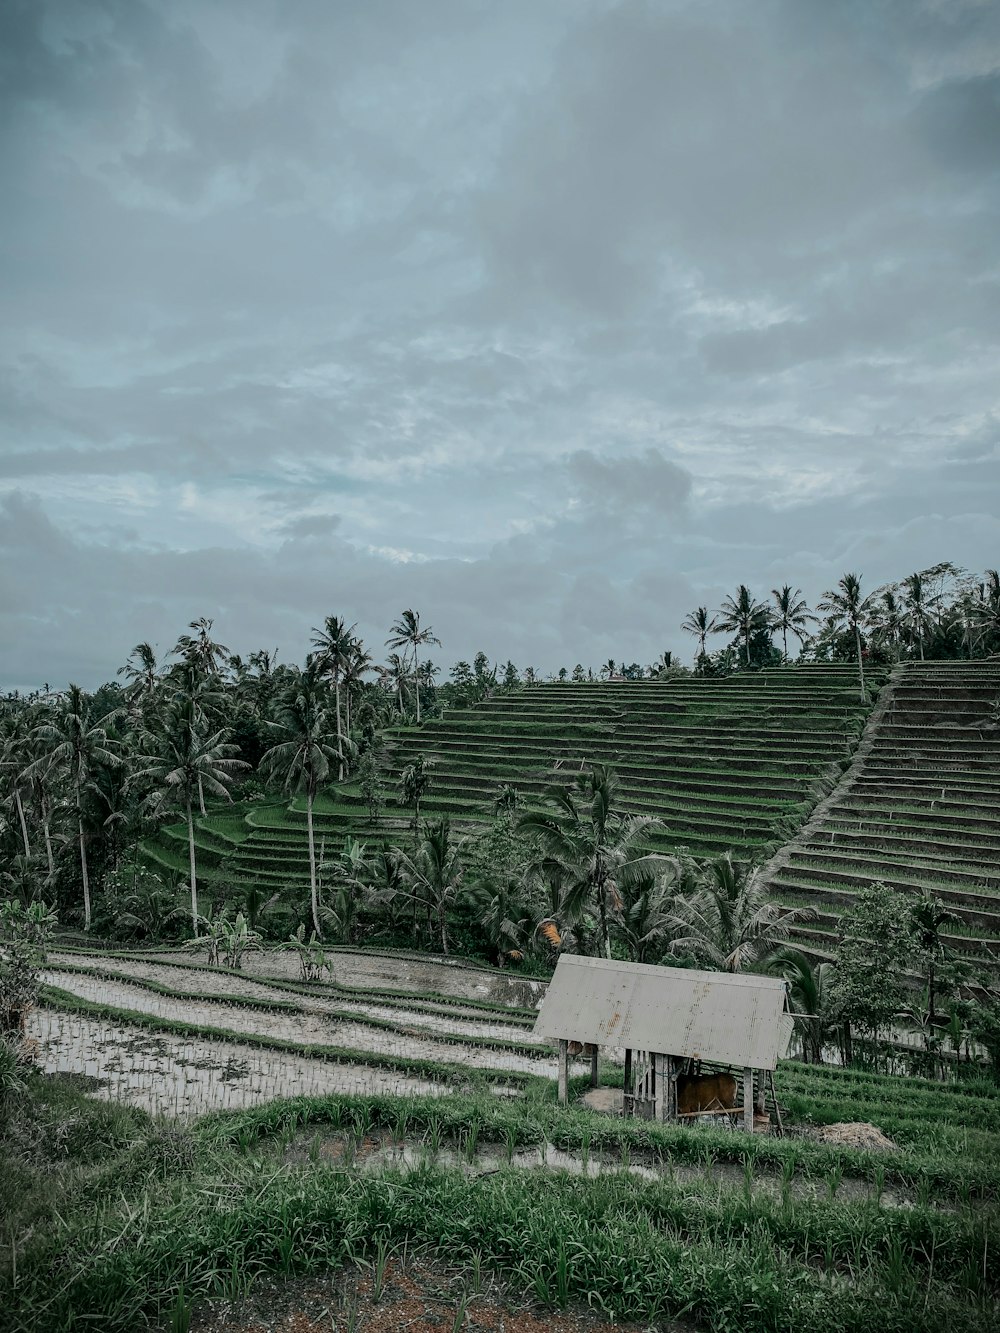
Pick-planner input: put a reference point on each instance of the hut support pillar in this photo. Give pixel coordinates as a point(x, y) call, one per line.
point(563, 1071)
point(595, 1071)
point(748, 1100)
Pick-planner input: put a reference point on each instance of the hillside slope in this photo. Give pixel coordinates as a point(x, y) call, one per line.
point(919, 809)
point(726, 764)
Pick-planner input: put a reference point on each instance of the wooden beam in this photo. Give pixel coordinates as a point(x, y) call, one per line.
point(748, 1100)
point(595, 1069)
point(659, 1086)
point(563, 1071)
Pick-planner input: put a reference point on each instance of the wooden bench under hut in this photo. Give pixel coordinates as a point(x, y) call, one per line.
point(672, 1022)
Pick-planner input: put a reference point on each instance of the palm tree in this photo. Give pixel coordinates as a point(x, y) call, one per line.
point(182, 758)
point(335, 646)
point(414, 782)
point(920, 603)
point(303, 760)
point(142, 673)
point(743, 615)
point(728, 923)
point(75, 748)
point(594, 851)
point(791, 613)
point(394, 676)
point(200, 650)
point(888, 620)
point(701, 623)
point(358, 665)
point(847, 608)
point(406, 633)
point(434, 874)
point(14, 741)
point(809, 993)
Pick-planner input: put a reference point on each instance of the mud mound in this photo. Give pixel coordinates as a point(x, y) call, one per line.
point(856, 1135)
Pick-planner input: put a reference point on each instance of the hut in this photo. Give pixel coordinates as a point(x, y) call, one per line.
point(669, 1021)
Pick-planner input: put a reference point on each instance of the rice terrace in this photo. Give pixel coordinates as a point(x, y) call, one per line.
point(651, 997)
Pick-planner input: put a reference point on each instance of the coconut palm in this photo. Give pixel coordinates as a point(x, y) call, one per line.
point(406, 633)
point(303, 760)
point(142, 674)
point(742, 615)
point(433, 875)
point(199, 650)
point(414, 782)
point(791, 612)
point(728, 924)
point(847, 609)
point(75, 748)
point(393, 676)
point(335, 645)
point(809, 992)
point(887, 618)
point(595, 851)
point(701, 623)
point(181, 759)
point(359, 664)
point(920, 603)
point(15, 736)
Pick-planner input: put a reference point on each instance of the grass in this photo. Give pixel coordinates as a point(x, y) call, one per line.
point(118, 1222)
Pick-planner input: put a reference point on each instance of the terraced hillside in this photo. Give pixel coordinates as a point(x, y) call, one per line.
point(918, 809)
point(735, 763)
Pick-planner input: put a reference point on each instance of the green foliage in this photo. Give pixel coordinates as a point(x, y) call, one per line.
point(25, 933)
point(875, 948)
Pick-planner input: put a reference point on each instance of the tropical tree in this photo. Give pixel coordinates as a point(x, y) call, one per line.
point(729, 924)
point(809, 987)
point(887, 618)
point(335, 646)
point(645, 914)
point(181, 759)
point(302, 761)
point(701, 623)
point(791, 612)
point(928, 917)
point(414, 782)
point(407, 633)
point(920, 602)
point(847, 608)
point(394, 676)
point(142, 675)
point(595, 852)
point(15, 737)
point(433, 875)
point(742, 615)
point(200, 650)
point(75, 748)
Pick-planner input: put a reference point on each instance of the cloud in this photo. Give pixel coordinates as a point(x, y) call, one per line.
point(554, 321)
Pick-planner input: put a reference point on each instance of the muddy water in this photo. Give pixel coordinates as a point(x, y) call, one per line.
point(188, 1076)
point(205, 980)
point(307, 1028)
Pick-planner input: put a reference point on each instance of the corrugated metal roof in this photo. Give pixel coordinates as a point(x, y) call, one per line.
point(721, 1016)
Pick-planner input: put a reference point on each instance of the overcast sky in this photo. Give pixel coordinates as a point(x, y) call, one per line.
point(549, 318)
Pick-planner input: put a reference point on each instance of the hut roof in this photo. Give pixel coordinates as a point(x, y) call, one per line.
point(720, 1016)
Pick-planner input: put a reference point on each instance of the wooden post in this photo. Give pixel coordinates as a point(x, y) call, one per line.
point(595, 1072)
point(627, 1083)
point(660, 1082)
point(670, 1091)
point(563, 1071)
point(748, 1100)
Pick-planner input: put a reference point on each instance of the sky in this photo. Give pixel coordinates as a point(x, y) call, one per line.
point(551, 319)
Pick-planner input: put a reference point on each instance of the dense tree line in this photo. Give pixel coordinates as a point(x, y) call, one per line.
point(938, 613)
point(84, 777)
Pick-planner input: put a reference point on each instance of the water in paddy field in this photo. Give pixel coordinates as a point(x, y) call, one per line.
point(184, 1076)
point(315, 1029)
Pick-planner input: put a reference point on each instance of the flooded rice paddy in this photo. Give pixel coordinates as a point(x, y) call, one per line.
point(181, 1075)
